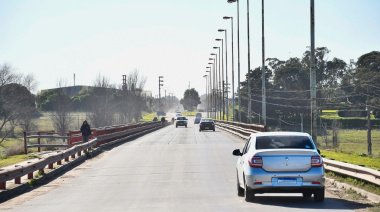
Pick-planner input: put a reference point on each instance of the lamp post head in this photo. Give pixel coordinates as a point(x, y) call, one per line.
point(212, 54)
point(231, 1)
point(211, 63)
point(215, 47)
point(205, 75)
point(218, 39)
point(221, 30)
point(227, 17)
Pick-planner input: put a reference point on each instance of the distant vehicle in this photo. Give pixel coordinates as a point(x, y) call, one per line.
point(280, 162)
point(206, 124)
point(155, 119)
point(197, 120)
point(198, 115)
point(181, 121)
point(178, 114)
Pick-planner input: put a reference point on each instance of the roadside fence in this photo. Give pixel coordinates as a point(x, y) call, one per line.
point(74, 145)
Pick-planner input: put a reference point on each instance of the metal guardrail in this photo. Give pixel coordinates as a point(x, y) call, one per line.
point(347, 169)
point(108, 136)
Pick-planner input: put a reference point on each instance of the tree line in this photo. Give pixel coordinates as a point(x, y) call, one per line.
point(340, 86)
point(103, 103)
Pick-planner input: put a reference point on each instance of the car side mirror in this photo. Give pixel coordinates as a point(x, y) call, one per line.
point(319, 151)
point(237, 152)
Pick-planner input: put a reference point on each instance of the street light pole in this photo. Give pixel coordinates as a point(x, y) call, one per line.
point(238, 34)
point(226, 101)
point(249, 68)
point(219, 86)
point(214, 86)
point(233, 68)
point(222, 81)
point(264, 107)
point(205, 76)
point(209, 103)
point(313, 81)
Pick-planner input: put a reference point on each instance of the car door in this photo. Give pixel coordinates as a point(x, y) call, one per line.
point(242, 160)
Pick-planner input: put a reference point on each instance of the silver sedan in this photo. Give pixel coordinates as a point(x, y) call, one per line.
point(280, 162)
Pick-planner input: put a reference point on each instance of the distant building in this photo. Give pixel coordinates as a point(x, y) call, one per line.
point(71, 90)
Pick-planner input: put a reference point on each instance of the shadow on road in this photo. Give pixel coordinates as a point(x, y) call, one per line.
point(309, 203)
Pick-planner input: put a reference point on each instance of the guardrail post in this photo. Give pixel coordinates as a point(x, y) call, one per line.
point(39, 142)
point(59, 162)
point(69, 139)
point(67, 159)
point(30, 175)
point(73, 156)
point(18, 180)
point(2, 185)
point(25, 149)
point(79, 153)
point(51, 165)
point(41, 170)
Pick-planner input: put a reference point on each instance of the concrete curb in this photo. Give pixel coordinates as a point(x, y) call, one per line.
point(371, 196)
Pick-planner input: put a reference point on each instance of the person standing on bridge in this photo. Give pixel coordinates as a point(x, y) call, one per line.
point(86, 131)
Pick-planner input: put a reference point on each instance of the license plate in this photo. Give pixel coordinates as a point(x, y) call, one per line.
point(207, 128)
point(287, 180)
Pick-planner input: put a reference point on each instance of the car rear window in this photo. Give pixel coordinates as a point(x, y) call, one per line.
point(207, 120)
point(181, 118)
point(279, 142)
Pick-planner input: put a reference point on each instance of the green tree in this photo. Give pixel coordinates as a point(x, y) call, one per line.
point(190, 99)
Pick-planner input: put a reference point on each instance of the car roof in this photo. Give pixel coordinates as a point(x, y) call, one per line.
point(279, 133)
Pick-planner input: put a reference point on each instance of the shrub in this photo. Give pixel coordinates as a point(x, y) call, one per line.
point(14, 150)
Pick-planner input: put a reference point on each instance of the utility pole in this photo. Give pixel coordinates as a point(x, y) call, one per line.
point(313, 77)
point(249, 69)
point(369, 142)
point(159, 90)
point(264, 107)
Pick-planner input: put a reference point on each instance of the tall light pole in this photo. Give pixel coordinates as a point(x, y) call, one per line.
point(238, 34)
point(313, 78)
point(264, 107)
point(214, 85)
point(249, 68)
point(222, 81)
point(209, 92)
point(226, 101)
point(233, 68)
point(205, 76)
point(159, 90)
point(219, 84)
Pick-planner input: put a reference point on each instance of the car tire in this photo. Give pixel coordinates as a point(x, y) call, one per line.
point(240, 190)
point(307, 194)
point(176, 126)
point(319, 195)
point(249, 194)
point(213, 130)
point(186, 126)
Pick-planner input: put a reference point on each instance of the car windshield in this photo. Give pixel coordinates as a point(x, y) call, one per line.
point(289, 142)
point(181, 118)
point(207, 120)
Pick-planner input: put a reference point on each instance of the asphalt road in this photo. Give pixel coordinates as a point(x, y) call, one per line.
point(172, 169)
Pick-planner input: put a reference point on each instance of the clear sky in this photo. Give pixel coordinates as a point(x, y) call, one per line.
point(173, 38)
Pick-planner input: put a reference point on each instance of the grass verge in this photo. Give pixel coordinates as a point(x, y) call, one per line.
point(7, 161)
point(189, 113)
point(353, 158)
point(354, 182)
point(148, 117)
